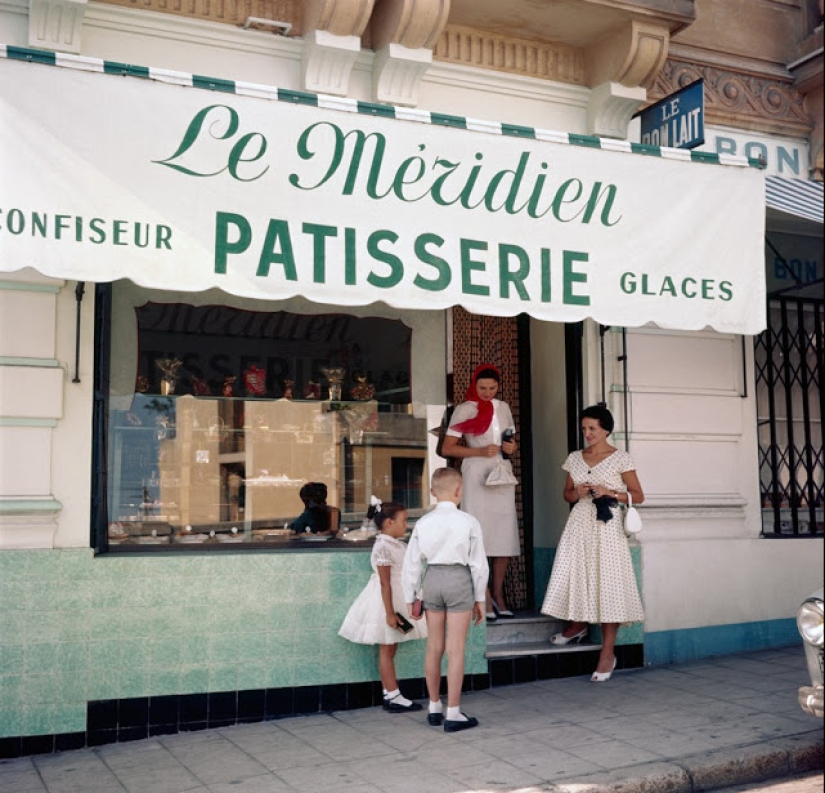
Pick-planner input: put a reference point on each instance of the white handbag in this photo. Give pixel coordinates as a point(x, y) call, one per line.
point(632, 518)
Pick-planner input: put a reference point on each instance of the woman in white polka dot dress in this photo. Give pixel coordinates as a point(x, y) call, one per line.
point(592, 579)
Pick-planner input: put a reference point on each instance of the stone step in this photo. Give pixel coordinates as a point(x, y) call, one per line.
point(528, 634)
point(518, 649)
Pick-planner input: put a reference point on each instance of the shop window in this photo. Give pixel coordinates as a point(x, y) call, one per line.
point(217, 417)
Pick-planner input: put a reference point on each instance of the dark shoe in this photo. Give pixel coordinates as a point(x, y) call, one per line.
point(457, 726)
point(395, 707)
point(435, 719)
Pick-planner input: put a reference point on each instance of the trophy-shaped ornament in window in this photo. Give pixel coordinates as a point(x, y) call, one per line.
point(362, 391)
point(169, 368)
point(335, 375)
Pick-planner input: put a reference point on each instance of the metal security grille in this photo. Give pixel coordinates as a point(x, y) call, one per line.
point(789, 363)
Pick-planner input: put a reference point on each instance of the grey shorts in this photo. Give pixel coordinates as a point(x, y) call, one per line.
point(448, 587)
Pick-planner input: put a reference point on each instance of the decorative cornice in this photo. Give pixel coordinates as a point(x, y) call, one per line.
point(470, 47)
point(232, 13)
point(738, 100)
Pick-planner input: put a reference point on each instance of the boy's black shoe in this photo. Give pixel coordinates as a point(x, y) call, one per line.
point(395, 707)
point(435, 719)
point(457, 726)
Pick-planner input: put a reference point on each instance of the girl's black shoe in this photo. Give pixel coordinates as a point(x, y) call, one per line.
point(397, 707)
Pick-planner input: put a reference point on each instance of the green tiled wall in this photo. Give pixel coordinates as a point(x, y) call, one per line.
point(542, 565)
point(75, 628)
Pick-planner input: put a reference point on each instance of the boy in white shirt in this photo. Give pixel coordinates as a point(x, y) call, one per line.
point(448, 541)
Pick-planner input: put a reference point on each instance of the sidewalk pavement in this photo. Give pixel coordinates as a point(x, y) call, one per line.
point(676, 729)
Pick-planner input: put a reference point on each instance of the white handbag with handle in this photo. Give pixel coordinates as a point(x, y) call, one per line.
point(632, 519)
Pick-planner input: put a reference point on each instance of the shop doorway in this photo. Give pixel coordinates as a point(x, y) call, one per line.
point(505, 342)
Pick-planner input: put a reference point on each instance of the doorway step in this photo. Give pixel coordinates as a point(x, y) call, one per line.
point(519, 651)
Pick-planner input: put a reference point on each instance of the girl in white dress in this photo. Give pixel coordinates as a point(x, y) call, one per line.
point(592, 579)
point(374, 616)
point(482, 421)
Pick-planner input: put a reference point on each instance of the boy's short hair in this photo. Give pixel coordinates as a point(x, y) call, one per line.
point(445, 479)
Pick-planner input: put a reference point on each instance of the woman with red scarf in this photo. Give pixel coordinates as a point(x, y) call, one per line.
point(482, 420)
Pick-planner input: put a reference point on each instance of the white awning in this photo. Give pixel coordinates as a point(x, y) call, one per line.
point(182, 182)
point(795, 197)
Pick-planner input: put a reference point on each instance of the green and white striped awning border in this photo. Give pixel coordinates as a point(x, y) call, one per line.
point(327, 102)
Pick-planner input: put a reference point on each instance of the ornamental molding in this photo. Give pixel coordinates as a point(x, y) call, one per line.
point(471, 47)
point(338, 17)
point(234, 12)
point(737, 99)
point(56, 24)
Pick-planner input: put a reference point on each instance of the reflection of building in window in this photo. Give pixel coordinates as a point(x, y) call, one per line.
point(250, 421)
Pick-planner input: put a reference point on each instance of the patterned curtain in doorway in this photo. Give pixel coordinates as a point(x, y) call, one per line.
point(481, 339)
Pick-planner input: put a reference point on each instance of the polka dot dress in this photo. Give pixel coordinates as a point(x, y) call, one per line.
point(592, 579)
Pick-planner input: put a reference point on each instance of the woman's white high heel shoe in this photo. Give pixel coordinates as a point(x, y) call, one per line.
point(560, 639)
point(603, 677)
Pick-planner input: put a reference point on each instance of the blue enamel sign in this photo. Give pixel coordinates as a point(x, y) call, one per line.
point(677, 120)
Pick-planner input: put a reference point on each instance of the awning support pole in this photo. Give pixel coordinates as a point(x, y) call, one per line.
point(78, 295)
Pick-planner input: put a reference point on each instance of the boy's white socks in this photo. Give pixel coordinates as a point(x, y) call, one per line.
point(455, 714)
point(436, 707)
point(395, 696)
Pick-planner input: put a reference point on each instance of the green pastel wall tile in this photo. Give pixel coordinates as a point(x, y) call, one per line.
point(15, 591)
point(194, 648)
point(164, 681)
point(307, 644)
point(39, 689)
point(134, 683)
point(14, 623)
point(168, 622)
point(141, 594)
point(338, 587)
point(223, 677)
point(11, 691)
point(11, 722)
point(282, 617)
point(73, 685)
point(14, 564)
point(194, 679)
point(193, 618)
point(251, 647)
point(164, 652)
point(105, 654)
point(196, 591)
point(279, 647)
point(281, 676)
point(75, 595)
point(70, 717)
point(11, 659)
point(45, 627)
point(73, 625)
point(40, 595)
point(283, 590)
point(38, 720)
point(223, 648)
point(223, 618)
point(72, 656)
point(104, 683)
point(137, 624)
point(253, 675)
point(39, 657)
point(135, 653)
point(104, 623)
point(75, 564)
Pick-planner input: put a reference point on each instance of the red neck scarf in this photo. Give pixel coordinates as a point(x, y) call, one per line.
point(480, 423)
